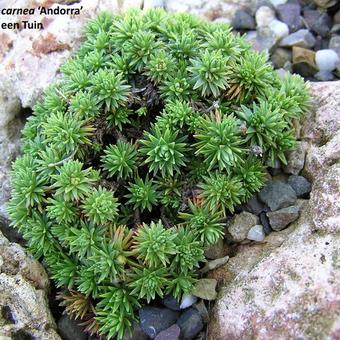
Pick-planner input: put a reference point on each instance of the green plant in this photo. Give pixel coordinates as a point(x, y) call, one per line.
point(137, 154)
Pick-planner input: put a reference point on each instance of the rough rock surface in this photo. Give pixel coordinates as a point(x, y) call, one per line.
point(288, 287)
point(23, 303)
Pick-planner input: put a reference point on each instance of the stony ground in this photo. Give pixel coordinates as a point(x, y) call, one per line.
point(277, 271)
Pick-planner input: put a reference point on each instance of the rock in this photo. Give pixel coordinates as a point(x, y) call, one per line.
point(304, 61)
point(317, 21)
point(296, 158)
point(264, 16)
point(216, 250)
point(287, 287)
point(278, 2)
point(205, 289)
point(277, 195)
point(265, 223)
point(243, 21)
point(324, 76)
point(336, 17)
point(325, 199)
point(155, 319)
point(280, 57)
point(153, 3)
point(170, 302)
point(190, 323)
point(202, 309)
point(239, 226)
point(297, 277)
point(279, 29)
point(23, 295)
point(290, 14)
point(334, 44)
point(321, 124)
point(171, 333)
point(335, 29)
point(300, 185)
point(209, 10)
point(187, 301)
point(259, 41)
point(70, 330)
point(280, 219)
point(301, 38)
point(325, 3)
point(327, 60)
point(210, 265)
point(256, 233)
point(253, 205)
point(136, 333)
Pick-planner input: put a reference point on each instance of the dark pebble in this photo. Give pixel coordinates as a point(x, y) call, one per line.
point(290, 14)
point(136, 333)
point(190, 323)
point(243, 21)
point(170, 302)
point(171, 333)
point(264, 220)
point(69, 329)
point(280, 219)
point(254, 205)
point(277, 194)
point(300, 185)
point(318, 22)
point(155, 319)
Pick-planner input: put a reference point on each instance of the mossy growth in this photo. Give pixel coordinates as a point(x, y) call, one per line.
point(159, 126)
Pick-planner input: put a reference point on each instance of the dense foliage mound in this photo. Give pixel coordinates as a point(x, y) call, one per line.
point(159, 126)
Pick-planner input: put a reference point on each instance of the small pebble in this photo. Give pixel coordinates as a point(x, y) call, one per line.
point(324, 76)
point(187, 301)
point(265, 223)
point(300, 38)
point(326, 60)
point(280, 219)
point(205, 289)
point(300, 185)
point(279, 29)
point(170, 302)
point(256, 233)
point(155, 319)
point(171, 333)
point(190, 323)
point(243, 21)
point(264, 16)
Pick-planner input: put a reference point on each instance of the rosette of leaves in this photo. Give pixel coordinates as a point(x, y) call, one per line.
point(153, 111)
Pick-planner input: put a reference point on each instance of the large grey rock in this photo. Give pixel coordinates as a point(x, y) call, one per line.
point(23, 295)
point(277, 194)
point(320, 128)
point(287, 287)
point(239, 226)
point(318, 21)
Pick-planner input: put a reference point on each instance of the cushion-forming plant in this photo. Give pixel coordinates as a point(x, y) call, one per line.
point(159, 126)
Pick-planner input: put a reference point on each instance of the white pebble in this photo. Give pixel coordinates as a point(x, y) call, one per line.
point(327, 60)
point(279, 29)
point(187, 301)
point(256, 233)
point(264, 16)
